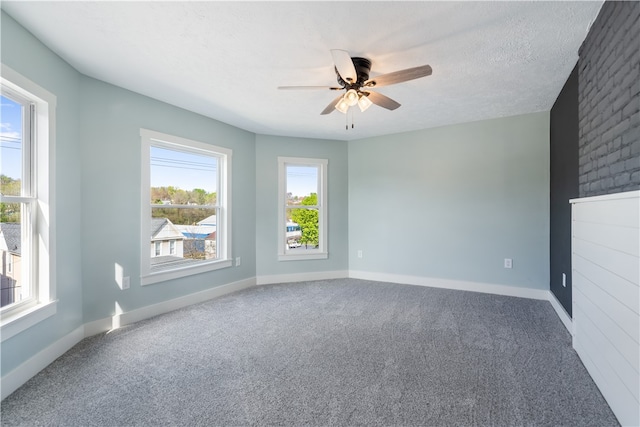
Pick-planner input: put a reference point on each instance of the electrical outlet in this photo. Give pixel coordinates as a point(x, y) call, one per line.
point(238, 261)
point(126, 282)
point(508, 263)
point(564, 280)
point(360, 254)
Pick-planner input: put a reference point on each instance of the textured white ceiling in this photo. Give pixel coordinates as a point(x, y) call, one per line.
point(226, 59)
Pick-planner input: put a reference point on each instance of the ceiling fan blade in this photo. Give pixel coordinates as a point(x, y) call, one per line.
point(308, 87)
point(381, 100)
point(332, 105)
point(344, 65)
point(399, 76)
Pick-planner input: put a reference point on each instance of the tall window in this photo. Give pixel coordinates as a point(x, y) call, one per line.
point(18, 195)
point(26, 214)
point(185, 195)
point(302, 208)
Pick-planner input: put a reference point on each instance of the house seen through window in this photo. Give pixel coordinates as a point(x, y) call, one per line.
point(186, 205)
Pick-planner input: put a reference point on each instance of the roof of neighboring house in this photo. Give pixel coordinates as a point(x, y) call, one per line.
point(210, 220)
point(196, 231)
point(157, 224)
point(164, 229)
point(10, 234)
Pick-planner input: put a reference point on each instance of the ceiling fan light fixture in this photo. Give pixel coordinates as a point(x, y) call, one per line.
point(352, 74)
point(351, 97)
point(364, 102)
point(342, 105)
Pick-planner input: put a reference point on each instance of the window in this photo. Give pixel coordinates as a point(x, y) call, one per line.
point(26, 212)
point(302, 210)
point(185, 207)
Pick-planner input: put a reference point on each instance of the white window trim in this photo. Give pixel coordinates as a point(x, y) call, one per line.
point(224, 199)
point(21, 317)
point(321, 252)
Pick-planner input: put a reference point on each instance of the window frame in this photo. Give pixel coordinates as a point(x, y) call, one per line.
point(322, 207)
point(151, 138)
point(37, 199)
point(27, 200)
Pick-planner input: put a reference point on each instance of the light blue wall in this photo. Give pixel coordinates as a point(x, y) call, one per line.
point(453, 202)
point(98, 193)
point(450, 202)
point(268, 148)
point(111, 119)
point(26, 55)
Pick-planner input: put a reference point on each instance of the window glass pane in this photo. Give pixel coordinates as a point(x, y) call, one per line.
point(14, 260)
point(181, 178)
point(10, 148)
point(13, 235)
point(301, 229)
point(302, 182)
point(183, 236)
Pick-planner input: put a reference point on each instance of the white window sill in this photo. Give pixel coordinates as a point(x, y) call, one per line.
point(14, 323)
point(177, 273)
point(300, 257)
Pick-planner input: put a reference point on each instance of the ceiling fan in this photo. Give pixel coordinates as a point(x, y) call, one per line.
point(353, 77)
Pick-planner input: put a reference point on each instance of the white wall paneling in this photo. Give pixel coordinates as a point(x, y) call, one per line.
point(606, 299)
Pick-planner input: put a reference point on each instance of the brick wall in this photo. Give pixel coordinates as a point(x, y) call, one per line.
point(609, 101)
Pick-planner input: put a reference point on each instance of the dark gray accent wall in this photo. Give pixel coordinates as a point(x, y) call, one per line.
point(563, 152)
point(609, 101)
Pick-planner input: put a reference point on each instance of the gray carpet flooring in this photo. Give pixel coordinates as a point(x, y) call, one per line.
point(336, 352)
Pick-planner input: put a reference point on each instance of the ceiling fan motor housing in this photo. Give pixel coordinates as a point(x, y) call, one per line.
point(363, 66)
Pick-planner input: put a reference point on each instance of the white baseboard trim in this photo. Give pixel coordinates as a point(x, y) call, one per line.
point(459, 285)
point(302, 277)
point(561, 312)
point(27, 369)
point(98, 326)
point(121, 319)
